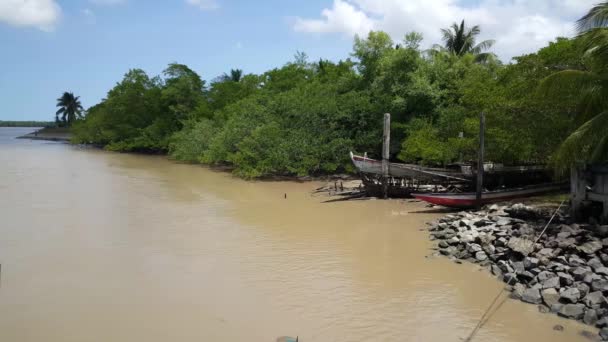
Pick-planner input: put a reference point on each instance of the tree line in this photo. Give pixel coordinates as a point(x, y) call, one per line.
point(304, 117)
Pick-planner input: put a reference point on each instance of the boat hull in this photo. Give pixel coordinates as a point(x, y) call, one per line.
point(469, 200)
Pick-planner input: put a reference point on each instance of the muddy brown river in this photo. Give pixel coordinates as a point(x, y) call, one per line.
point(99, 246)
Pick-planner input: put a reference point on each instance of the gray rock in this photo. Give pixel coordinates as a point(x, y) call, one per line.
point(449, 251)
point(595, 263)
point(599, 285)
point(591, 277)
point(550, 296)
point(594, 298)
point(505, 267)
point(563, 243)
point(575, 261)
point(522, 246)
point(582, 288)
point(565, 279)
point(602, 271)
point(555, 308)
point(544, 275)
point(574, 311)
point(496, 270)
point(454, 241)
point(579, 272)
point(518, 266)
point(564, 235)
point(501, 242)
point(558, 327)
point(481, 256)
point(530, 262)
point(590, 317)
point(443, 244)
point(551, 283)
point(543, 309)
point(602, 322)
point(518, 291)
point(531, 296)
point(503, 221)
point(590, 247)
point(545, 252)
point(604, 333)
point(571, 295)
point(474, 248)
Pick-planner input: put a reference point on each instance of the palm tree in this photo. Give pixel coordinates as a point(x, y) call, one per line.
point(460, 40)
point(589, 142)
point(236, 75)
point(70, 109)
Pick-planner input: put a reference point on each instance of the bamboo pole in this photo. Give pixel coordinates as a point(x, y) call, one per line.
point(480, 157)
point(386, 142)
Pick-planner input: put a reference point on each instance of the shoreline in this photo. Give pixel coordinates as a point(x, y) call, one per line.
point(49, 134)
point(564, 273)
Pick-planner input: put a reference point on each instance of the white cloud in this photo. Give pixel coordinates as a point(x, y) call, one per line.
point(42, 14)
point(518, 26)
point(204, 5)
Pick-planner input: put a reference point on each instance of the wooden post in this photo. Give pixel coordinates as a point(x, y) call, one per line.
point(386, 144)
point(480, 157)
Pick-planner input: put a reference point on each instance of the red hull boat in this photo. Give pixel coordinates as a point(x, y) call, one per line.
point(469, 199)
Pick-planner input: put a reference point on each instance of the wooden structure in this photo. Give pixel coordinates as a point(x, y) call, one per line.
point(589, 191)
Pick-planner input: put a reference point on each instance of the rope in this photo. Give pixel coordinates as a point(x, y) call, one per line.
point(485, 315)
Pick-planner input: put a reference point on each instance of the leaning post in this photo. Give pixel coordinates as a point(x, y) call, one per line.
point(480, 157)
point(386, 143)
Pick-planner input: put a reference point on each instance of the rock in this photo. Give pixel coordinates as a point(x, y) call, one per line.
point(590, 317)
point(518, 266)
point(602, 271)
point(579, 273)
point(474, 248)
point(590, 247)
point(599, 285)
point(604, 333)
point(443, 244)
point(575, 261)
point(505, 267)
point(503, 221)
point(531, 296)
point(551, 283)
point(591, 277)
point(571, 295)
point(594, 298)
point(574, 311)
point(564, 235)
point(449, 251)
point(501, 242)
point(544, 275)
point(550, 296)
point(530, 262)
point(481, 256)
point(582, 288)
point(558, 327)
point(563, 243)
point(545, 252)
point(518, 291)
point(543, 309)
point(522, 246)
point(602, 322)
point(565, 279)
point(556, 307)
point(595, 263)
point(601, 231)
point(496, 270)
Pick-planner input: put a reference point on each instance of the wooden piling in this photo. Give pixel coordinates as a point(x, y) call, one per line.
point(386, 142)
point(480, 157)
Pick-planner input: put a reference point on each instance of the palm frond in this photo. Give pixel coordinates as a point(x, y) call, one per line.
point(596, 17)
point(587, 143)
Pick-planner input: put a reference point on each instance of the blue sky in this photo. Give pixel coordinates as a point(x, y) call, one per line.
point(85, 46)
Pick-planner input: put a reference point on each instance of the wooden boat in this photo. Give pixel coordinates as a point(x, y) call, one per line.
point(398, 170)
point(468, 199)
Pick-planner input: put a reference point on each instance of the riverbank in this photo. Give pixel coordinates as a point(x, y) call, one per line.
point(564, 272)
point(49, 133)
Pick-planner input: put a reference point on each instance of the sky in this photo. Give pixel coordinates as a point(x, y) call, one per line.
point(86, 46)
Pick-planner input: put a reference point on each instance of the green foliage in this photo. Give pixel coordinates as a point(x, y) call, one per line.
point(70, 109)
point(304, 117)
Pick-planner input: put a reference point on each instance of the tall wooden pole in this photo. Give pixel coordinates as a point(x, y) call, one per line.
point(480, 157)
point(386, 143)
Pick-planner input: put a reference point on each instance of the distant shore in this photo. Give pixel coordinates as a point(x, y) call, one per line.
point(49, 133)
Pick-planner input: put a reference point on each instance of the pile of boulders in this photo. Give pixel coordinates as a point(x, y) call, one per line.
point(564, 272)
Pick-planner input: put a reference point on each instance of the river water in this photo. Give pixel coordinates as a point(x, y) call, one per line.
point(99, 246)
